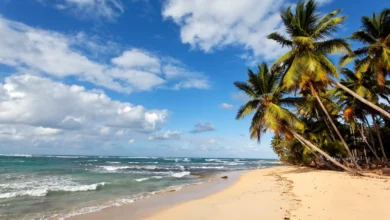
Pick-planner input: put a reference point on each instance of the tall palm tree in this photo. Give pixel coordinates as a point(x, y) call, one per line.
point(268, 106)
point(352, 108)
point(363, 84)
point(306, 66)
point(374, 56)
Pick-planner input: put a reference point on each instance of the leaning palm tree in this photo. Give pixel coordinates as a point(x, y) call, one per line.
point(269, 108)
point(305, 66)
point(374, 56)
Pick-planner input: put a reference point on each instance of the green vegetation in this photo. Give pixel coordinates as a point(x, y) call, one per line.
point(315, 117)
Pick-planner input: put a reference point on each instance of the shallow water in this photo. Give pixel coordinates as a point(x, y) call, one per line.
point(37, 186)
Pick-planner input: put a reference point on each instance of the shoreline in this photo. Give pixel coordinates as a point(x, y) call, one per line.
point(165, 199)
point(283, 192)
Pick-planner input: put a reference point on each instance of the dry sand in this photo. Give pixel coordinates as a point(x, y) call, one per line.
point(291, 193)
point(280, 193)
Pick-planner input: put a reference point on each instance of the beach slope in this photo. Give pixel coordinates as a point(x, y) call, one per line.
point(290, 193)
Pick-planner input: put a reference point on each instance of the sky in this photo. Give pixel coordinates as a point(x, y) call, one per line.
point(137, 77)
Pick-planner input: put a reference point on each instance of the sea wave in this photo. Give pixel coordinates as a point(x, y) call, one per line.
point(16, 155)
point(209, 168)
point(45, 191)
point(113, 162)
point(148, 178)
point(181, 174)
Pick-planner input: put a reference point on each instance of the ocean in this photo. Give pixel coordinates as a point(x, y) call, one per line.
point(57, 187)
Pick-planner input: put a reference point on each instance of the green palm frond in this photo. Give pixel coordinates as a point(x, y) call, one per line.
point(245, 87)
point(282, 40)
point(247, 109)
point(334, 46)
point(363, 37)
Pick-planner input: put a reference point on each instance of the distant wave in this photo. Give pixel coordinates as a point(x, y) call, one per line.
point(139, 157)
point(178, 159)
point(144, 179)
point(45, 191)
point(204, 167)
point(16, 155)
point(113, 162)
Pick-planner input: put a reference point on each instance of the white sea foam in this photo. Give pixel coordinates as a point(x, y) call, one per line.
point(215, 160)
point(204, 167)
point(115, 168)
point(181, 174)
point(113, 162)
point(141, 179)
point(44, 190)
point(144, 179)
point(16, 155)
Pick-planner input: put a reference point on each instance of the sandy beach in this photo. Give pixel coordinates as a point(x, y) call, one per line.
point(279, 193)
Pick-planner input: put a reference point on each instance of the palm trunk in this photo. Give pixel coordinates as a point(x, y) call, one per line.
point(330, 166)
point(334, 127)
point(327, 156)
point(365, 101)
point(380, 139)
point(327, 125)
point(365, 141)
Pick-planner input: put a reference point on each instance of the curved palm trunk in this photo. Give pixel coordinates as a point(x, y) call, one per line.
point(380, 139)
point(327, 125)
point(334, 127)
point(365, 101)
point(330, 166)
point(327, 156)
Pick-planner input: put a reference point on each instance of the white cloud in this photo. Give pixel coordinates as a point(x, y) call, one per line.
point(52, 106)
point(56, 54)
point(87, 9)
point(131, 141)
point(203, 127)
point(210, 25)
point(139, 59)
point(226, 106)
point(168, 135)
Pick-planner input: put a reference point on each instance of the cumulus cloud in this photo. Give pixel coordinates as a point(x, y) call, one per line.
point(168, 135)
point(226, 106)
point(55, 54)
point(203, 127)
point(210, 25)
point(39, 109)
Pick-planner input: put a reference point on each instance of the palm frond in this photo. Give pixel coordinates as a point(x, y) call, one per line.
point(282, 40)
point(247, 109)
point(363, 37)
point(245, 87)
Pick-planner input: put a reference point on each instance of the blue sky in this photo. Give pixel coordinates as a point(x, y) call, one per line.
point(136, 77)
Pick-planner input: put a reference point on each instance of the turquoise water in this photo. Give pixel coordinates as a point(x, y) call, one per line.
point(42, 187)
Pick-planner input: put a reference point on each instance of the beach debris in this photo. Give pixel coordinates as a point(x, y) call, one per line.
point(224, 177)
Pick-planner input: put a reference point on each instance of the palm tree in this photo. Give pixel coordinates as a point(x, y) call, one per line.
point(268, 106)
point(352, 108)
point(366, 87)
point(306, 66)
point(374, 56)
